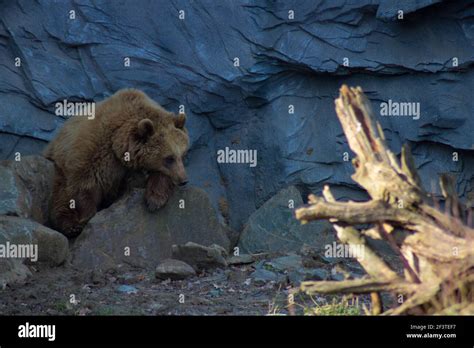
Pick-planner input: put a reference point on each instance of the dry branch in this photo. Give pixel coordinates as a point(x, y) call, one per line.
point(432, 246)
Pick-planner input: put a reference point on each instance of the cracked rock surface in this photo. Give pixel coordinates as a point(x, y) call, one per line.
point(283, 64)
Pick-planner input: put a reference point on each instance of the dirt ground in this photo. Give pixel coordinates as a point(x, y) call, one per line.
point(231, 291)
point(138, 293)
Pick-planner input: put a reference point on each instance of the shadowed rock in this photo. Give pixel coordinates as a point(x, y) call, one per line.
point(12, 271)
point(53, 247)
point(174, 270)
point(273, 228)
point(126, 233)
point(25, 187)
point(16, 233)
point(199, 256)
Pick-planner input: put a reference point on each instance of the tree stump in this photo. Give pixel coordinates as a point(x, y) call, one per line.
point(435, 248)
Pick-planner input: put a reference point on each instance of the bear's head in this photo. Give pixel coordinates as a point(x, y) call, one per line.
point(159, 144)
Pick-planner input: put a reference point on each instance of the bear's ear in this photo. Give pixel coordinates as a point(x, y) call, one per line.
point(180, 120)
point(145, 128)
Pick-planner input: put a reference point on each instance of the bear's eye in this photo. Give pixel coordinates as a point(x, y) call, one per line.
point(169, 161)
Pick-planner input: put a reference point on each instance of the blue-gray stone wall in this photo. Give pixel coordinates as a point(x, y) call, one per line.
point(291, 55)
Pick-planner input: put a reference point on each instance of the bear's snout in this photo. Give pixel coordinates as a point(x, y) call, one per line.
point(183, 183)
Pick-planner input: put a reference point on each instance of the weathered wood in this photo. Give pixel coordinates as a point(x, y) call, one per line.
point(432, 246)
point(357, 286)
point(371, 262)
point(377, 306)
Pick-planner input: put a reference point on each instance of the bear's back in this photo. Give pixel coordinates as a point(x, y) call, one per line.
point(77, 135)
point(81, 139)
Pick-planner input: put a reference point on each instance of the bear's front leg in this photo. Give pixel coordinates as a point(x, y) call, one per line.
point(159, 189)
point(72, 209)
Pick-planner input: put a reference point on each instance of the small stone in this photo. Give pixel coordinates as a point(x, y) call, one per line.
point(296, 276)
point(355, 270)
point(316, 274)
point(240, 259)
point(215, 292)
point(127, 289)
point(286, 263)
point(200, 256)
point(308, 250)
point(338, 273)
point(174, 270)
point(337, 276)
point(332, 260)
point(263, 276)
point(237, 275)
point(130, 278)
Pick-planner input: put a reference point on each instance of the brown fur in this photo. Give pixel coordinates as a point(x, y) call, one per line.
point(90, 157)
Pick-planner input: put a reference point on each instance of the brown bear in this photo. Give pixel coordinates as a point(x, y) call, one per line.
point(95, 157)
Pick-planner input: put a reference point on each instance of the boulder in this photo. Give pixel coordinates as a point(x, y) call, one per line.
point(12, 271)
point(126, 233)
point(15, 233)
point(273, 227)
point(174, 270)
point(25, 187)
point(199, 256)
point(53, 247)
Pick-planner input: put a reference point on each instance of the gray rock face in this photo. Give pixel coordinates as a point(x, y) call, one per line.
point(126, 233)
point(25, 192)
point(25, 187)
point(12, 271)
point(174, 270)
point(273, 227)
point(284, 63)
point(53, 247)
point(199, 256)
